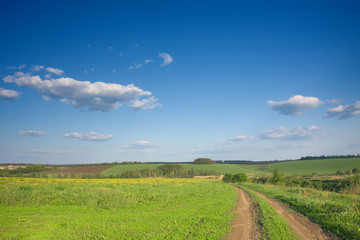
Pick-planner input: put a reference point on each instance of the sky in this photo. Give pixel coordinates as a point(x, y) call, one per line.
point(91, 81)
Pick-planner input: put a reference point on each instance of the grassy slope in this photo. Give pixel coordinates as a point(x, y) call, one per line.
point(324, 166)
point(114, 208)
point(220, 168)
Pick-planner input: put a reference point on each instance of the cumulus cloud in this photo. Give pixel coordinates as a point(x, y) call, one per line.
point(299, 133)
point(344, 112)
point(241, 138)
point(92, 136)
point(37, 68)
point(167, 59)
point(98, 96)
point(143, 145)
point(145, 104)
point(16, 67)
point(295, 105)
point(32, 133)
point(9, 95)
point(55, 71)
point(334, 101)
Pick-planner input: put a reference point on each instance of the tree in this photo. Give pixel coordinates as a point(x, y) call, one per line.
point(277, 177)
point(204, 161)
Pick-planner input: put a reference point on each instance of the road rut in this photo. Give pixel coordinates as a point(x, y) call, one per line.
point(243, 226)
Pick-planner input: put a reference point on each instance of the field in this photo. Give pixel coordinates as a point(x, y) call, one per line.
point(32, 208)
point(323, 166)
point(219, 168)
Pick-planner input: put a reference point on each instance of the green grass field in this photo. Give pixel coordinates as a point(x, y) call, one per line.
point(220, 168)
point(324, 166)
point(33, 208)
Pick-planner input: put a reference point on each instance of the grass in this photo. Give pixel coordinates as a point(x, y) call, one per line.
point(273, 226)
point(33, 208)
point(323, 166)
point(335, 212)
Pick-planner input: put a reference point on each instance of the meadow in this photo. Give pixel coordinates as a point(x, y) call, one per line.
point(306, 167)
point(219, 168)
point(32, 208)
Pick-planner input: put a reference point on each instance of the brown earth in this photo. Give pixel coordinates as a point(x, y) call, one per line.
point(243, 225)
point(86, 170)
point(302, 226)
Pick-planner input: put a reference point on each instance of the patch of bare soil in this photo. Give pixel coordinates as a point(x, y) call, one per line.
point(302, 226)
point(243, 226)
point(86, 170)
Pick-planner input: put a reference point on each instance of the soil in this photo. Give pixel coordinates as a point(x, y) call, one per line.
point(86, 170)
point(301, 225)
point(243, 225)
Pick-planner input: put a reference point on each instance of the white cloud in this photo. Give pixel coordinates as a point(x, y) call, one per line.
point(145, 104)
point(16, 67)
point(241, 138)
point(9, 95)
point(140, 64)
point(92, 136)
point(298, 133)
point(52, 151)
point(98, 96)
point(37, 68)
point(167, 59)
point(142, 145)
point(110, 48)
point(32, 133)
point(344, 112)
point(334, 101)
point(55, 71)
point(295, 105)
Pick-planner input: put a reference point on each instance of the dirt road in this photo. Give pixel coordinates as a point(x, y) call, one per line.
point(243, 226)
point(302, 226)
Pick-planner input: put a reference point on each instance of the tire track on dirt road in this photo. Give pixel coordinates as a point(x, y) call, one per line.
point(243, 226)
point(301, 225)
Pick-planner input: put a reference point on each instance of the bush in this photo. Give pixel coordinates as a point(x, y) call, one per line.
point(240, 177)
point(227, 178)
point(277, 177)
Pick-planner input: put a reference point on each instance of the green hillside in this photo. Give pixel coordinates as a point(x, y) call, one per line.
point(323, 166)
point(220, 168)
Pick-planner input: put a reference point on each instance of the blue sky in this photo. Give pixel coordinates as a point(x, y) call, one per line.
point(86, 82)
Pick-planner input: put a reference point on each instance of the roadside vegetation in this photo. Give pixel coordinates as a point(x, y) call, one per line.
point(34, 208)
